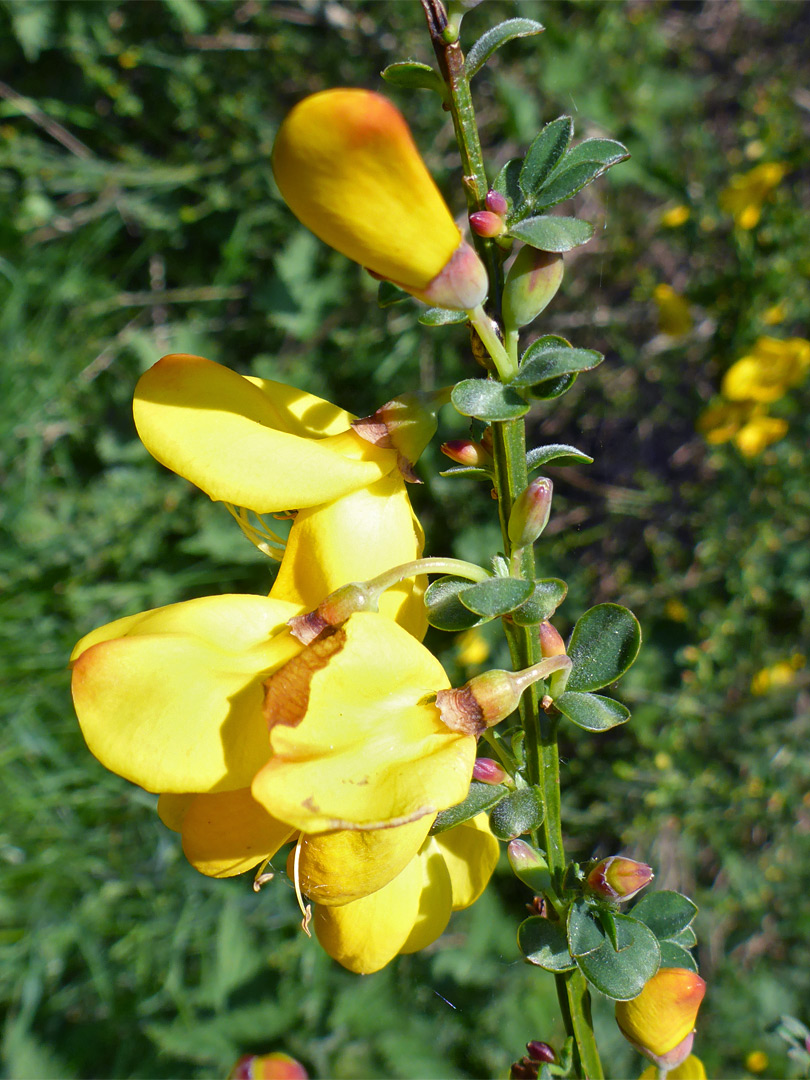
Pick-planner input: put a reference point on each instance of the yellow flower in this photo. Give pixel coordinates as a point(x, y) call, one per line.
point(745, 195)
point(473, 648)
point(412, 909)
point(775, 314)
point(348, 168)
point(675, 217)
point(691, 1069)
point(268, 1067)
point(721, 422)
point(768, 371)
point(356, 740)
point(777, 676)
point(759, 433)
point(673, 311)
point(756, 1061)
point(660, 1022)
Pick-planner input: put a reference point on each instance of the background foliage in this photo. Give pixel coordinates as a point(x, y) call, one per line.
point(139, 216)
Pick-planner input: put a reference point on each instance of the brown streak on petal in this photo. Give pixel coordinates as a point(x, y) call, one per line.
point(286, 692)
point(460, 711)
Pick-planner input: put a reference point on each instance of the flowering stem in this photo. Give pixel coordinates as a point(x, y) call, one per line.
point(511, 478)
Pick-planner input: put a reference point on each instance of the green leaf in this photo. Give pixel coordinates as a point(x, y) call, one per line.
point(621, 975)
point(608, 921)
point(497, 36)
point(437, 316)
point(481, 797)
point(388, 293)
point(666, 913)
point(518, 813)
point(592, 711)
point(554, 388)
point(560, 453)
point(674, 956)
point(604, 644)
point(604, 152)
point(487, 399)
point(550, 357)
point(496, 596)
point(414, 76)
point(552, 233)
point(444, 610)
point(548, 594)
point(687, 938)
point(544, 155)
point(544, 944)
point(473, 471)
point(507, 184)
point(585, 932)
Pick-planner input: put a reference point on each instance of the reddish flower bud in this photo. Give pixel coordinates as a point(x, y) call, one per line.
point(551, 643)
point(618, 878)
point(466, 452)
point(485, 223)
point(488, 771)
point(541, 1051)
point(531, 285)
point(530, 512)
point(496, 203)
point(529, 865)
point(268, 1067)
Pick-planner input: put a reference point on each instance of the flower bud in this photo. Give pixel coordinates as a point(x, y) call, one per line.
point(488, 771)
point(551, 643)
point(619, 879)
point(268, 1067)
point(541, 1051)
point(466, 452)
point(531, 285)
point(529, 865)
point(406, 424)
point(530, 512)
point(485, 223)
point(348, 168)
point(660, 1022)
point(496, 203)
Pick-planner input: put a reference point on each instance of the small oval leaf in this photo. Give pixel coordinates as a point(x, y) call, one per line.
point(473, 471)
point(412, 75)
point(550, 357)
point(518, 813)
point(507, 184)
point(388, 294)
point(481, 797)
point(604, 152)
point(552, 233)
point(674, 956)
point(497, 36)
point(544, 154)
point(585, 931)
point(487, 399)
point(553, 388)
point(621, 974)
point(559, 453)
point(544, 944)
point(437, 316)
point(548, 594)
point(444, 609)
point(666, 913)
point(497, 596)
point(592, 711)
point(604, 644)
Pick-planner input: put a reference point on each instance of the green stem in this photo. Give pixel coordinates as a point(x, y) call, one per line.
point(511, 478)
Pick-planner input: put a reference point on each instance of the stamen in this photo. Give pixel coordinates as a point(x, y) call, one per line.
point(306, 909)
point(261, 536)
point(261, 877)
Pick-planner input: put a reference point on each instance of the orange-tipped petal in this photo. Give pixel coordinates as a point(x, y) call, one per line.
point(664, 1013)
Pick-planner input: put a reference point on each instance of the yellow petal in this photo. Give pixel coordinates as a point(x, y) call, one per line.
point(348, 168)
point(435, 901)
point(340, 867)
point(759, 433)
point(471, 853)
point(172, 809)
point(252, 443)
point(664, 1013)
point(691, 1069)
point(175, 704)
point(228, 832)
point(355, 742)
point(365, 935)
point(353, 539)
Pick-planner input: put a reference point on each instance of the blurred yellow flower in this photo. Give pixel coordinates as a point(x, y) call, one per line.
point(472, 647)
point(721, 422)
point(676, 610)
point(757, 1061)
point(778, 675)
point(768, 371)
point(673, 311)
point(678, 215)
point(775, 314)
point(745, 195)
point(691, 1069)
point(759, 433)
